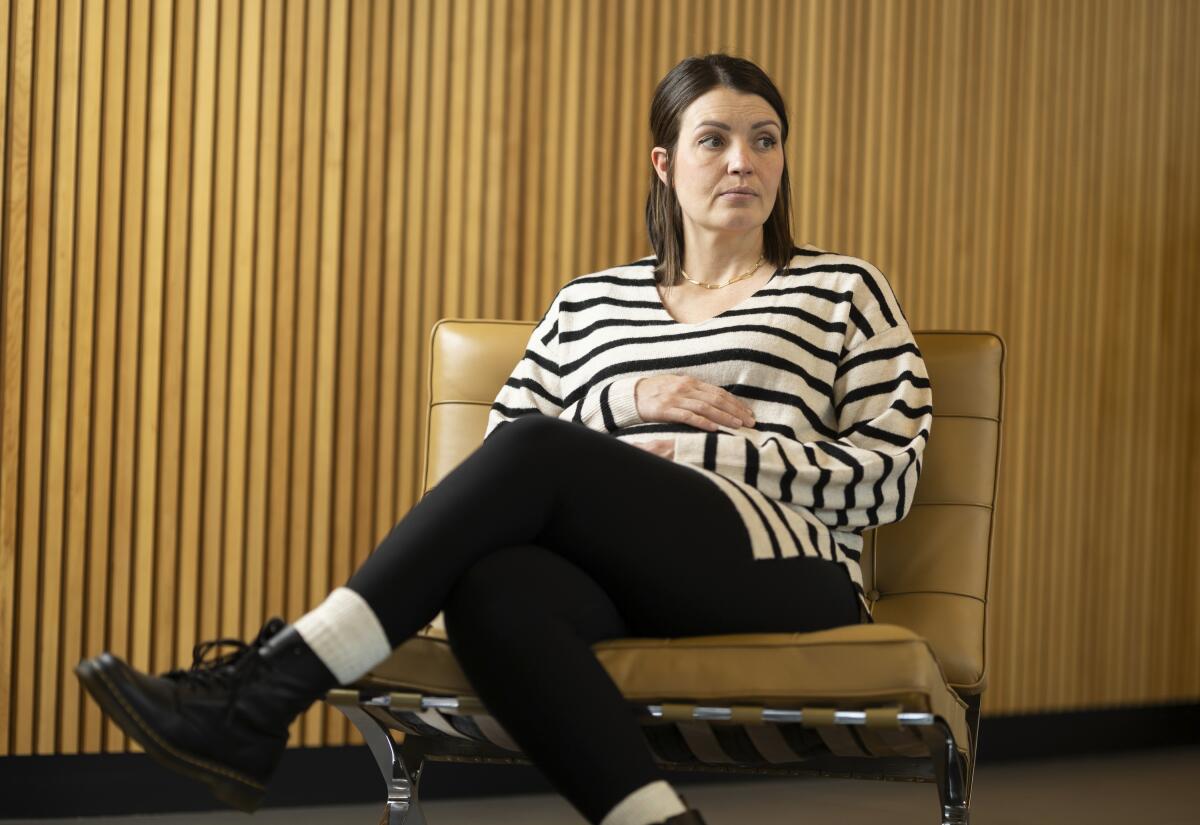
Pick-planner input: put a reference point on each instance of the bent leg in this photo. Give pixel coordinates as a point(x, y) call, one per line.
point(660, 537)
point(534, 476)
point(521, 622)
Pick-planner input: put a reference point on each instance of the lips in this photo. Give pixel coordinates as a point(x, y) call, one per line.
point(740, 191)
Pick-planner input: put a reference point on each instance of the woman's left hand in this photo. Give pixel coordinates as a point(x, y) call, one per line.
point(664, 447)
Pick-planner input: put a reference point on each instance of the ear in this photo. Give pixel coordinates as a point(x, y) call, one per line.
point(659, 158)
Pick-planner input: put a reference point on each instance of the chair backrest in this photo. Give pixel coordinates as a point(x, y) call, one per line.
point(928, 572)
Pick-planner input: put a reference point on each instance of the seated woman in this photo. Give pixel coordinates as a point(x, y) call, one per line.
point(692, 444)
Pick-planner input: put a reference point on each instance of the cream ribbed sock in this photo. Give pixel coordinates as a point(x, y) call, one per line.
point(345, 634)
point(647, 805)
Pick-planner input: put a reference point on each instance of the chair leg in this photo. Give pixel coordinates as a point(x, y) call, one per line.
point(400, 765)
point(973, 703)
point(949, 770)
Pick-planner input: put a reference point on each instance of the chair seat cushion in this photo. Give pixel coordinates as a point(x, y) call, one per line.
point(846, 667)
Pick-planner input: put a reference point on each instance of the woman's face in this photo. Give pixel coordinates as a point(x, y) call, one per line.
point(728, 161)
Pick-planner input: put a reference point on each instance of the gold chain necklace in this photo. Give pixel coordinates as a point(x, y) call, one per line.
point(741, 277)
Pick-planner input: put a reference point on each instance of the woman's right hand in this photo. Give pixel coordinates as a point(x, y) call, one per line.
point(688, 400)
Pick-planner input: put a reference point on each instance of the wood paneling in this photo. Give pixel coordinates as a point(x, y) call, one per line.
point(229, 226)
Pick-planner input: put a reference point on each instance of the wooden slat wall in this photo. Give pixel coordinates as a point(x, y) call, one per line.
point(229, 226)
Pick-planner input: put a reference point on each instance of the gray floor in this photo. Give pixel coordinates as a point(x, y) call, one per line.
point(1147, 788)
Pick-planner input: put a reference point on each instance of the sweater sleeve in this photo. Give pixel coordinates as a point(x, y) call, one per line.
point(607, 407)
point(536, 387)
point(868, 475)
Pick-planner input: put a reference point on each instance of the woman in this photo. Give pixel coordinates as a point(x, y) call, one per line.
point(748, 408)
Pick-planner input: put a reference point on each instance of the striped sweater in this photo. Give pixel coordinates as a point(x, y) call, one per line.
point(823, 355)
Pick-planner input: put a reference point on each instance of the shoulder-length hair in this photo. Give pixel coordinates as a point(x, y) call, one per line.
point(691, 78)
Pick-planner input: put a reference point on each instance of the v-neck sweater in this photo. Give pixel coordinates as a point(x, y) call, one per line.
point(821, 352)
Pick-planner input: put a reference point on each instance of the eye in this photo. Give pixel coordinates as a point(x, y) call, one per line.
point(767, 141)
point(716, 141)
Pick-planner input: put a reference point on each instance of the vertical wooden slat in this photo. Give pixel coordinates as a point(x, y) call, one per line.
point(1007, 143)
point(1057, 366)
point(175, 585)
point(7, 393)
point(108, 248)
point(1158, 461)
point(346, 278)
point(442, 78)
point(1124, 323)
point(264, 576)
point(474, 268)
point(872, 185)
point(5, 52)
point(520, 46)
point(16, 689)
point(328, 303)
point(548, 203)
point(650, 68)
point(60, 610)
point(582, 108)
point(424, 312)
point(38, 367)
point(243, 568)
point(307, 319)
point(283, 556)
point(631, 125)
point(44, 371)
point(371, 35)
point(449, 185)
point(147, 551)
point(418, 131)
point(1033, 221)
point(195, 622)
point(82, 732)
point(593, 224)
point(127, 520)
point(1148, 169)
point(370, 332)
point(1185, 671)
point(219, 562)
point(535, 163)
point(396, 256)
point(493, 183)
point(1089, 262)
point(1067, 438)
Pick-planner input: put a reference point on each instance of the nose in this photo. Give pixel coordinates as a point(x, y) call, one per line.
point(739, 158)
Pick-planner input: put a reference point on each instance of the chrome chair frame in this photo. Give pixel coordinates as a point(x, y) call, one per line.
point(376, 714)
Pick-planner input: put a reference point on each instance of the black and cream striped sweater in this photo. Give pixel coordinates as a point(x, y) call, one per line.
point(823, 355)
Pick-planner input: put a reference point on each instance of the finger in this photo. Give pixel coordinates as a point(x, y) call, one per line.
point(743, 409)
point(715, 413)
point(722, 416)
point(730, 403)
point(697, 420)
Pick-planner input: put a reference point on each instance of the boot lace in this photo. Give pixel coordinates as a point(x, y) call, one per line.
point(229, 670)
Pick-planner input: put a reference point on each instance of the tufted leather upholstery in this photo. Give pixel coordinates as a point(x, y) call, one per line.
point(927, 575)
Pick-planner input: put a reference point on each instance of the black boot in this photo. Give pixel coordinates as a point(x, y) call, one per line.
point(223, 722)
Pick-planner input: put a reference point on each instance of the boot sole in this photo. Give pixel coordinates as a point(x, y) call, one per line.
point(224, 783)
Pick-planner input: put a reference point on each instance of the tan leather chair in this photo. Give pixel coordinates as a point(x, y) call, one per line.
point(898, 699)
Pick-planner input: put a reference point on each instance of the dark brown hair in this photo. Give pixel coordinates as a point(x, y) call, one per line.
point(690, 79)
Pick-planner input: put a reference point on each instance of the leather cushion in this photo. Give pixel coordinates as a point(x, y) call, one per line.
point(847, 667)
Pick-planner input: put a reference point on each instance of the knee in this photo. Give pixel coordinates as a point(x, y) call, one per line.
point(535, 435)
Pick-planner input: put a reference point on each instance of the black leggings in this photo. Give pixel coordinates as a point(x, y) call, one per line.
point(552, 536)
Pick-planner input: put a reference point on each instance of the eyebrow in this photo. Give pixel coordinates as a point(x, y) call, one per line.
point(729, 128)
